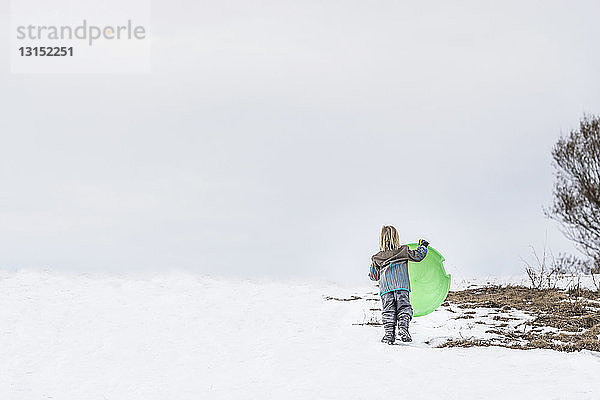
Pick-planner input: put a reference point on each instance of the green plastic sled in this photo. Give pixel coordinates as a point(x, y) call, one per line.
point(429, 282)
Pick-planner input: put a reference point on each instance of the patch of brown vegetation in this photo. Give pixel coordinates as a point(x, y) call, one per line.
point(467, 343)
point(372, 323)
point(575, 314)
point(464, 316)
point(351, 298)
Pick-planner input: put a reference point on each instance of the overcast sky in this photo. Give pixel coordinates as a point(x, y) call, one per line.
point(274, 138)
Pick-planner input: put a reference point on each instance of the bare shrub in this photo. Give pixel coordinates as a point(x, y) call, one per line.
point(568, 264)
point(575, 267)
point(544, 270)
point(577, 187)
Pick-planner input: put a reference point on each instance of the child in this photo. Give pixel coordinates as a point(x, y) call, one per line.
point(390, 268)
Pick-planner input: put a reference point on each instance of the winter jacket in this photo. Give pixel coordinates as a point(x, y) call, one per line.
point(390, 267)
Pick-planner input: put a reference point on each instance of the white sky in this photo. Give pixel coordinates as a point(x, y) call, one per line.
point(274, 138)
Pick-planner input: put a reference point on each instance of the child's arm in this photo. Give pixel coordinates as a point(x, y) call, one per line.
point(420, 252)
point(374, 272)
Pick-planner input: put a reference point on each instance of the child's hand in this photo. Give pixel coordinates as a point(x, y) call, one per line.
point(423, 242)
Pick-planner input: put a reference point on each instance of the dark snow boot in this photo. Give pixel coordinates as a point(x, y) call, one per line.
point(388, 339)
point(404, 335)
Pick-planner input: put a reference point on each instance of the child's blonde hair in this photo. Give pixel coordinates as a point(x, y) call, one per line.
point(389, 239)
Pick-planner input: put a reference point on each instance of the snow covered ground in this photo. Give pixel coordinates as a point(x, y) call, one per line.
point(182, 336)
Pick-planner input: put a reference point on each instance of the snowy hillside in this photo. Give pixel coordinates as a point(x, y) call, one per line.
point(178, 336)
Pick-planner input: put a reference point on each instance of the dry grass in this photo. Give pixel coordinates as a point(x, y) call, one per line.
point(575, 315)
point(351, 298)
